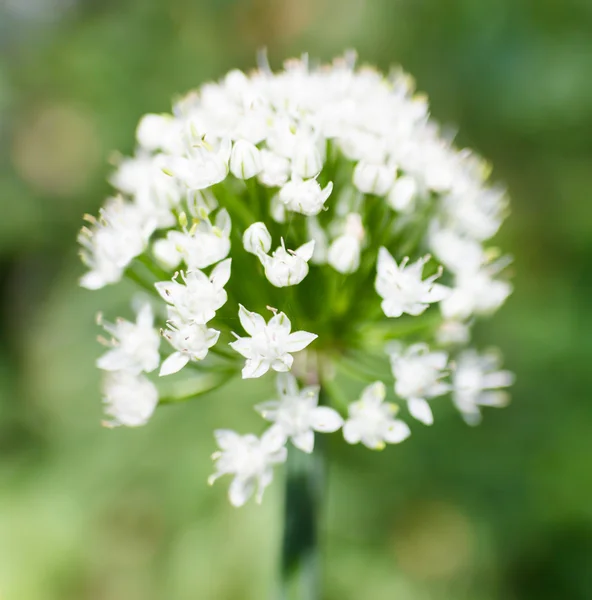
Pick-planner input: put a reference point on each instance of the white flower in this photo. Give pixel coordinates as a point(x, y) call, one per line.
point(192, 342)
point(203, 245)
point(128, 399)
point(198, 297)
point(476, 381)
point(307, 161)
point(287, 267)
point(475, 293)
point(457, 253)
point(155, 193)
point(156, 132)
point(401, 287)
point(270, 344)
point(297, 413)
point(374, 178)
point(371, 420)
point(250, 459)
point(305, 197)
point(275, 169)
point(202, 167)
point(417, 373)
point(403, 193)
point(134, 345)
point(119, 235)
point(257, 239)
point(245, 160)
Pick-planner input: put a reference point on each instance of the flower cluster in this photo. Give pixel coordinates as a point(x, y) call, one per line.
point(327, 196)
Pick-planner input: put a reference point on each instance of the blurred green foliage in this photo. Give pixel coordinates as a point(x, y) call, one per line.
point(500, 512)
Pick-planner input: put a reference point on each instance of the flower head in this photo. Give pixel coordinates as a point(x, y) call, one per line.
point(313, 179)
point(270, 344)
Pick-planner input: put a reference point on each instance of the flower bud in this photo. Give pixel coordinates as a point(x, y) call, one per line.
point(257, 239)
point(307, 161)
point(373, 178)
point(344, 254)
point(274, 169)
point(245, 160)
point(403, 194)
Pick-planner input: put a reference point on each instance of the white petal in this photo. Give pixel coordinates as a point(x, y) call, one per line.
point(174, 363)
point(240, 491)
point(243, 346)
point(351, 432)
point(299, 340)
point(226, 438)
point(437, 293)
point(223, 222)
point(374, 393)
point(498, 379)
point(420, 410)
point(111, 360)
point(283, 363)
point(306, 251)
point(286, 384)
point(251, 321)
point(221, 273)
point(273, 439)
point(145, 316)
point(281, 322)
point(255, 368)
point(268, 410)
point(304, 441)
point(494, 399)
point(385, 262)
point(325, 419)
point(396, 432)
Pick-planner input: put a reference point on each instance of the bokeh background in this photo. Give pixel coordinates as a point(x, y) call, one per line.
point(500, 512)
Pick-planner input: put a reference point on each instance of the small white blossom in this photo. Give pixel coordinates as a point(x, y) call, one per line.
point(305, 197)
point(287, 267)
point(374, 178)
point(202, 167)
point(250, 459)
point(245, 160)
point(458, 254)
point(134, 346)
point(275, 169)
point(476, 381)
point(297, 413)
point(417, 373)
point(371, 420)
point(157, 132)
point(192, 342)
point(203, 245)
point(270, 344)
point(403, 194)
point(114, 239)
point(128, 399)
point(475, 293)
point(257, 239)
point(198, 297)
point(402, 288)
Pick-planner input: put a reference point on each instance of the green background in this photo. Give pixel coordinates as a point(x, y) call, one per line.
point(499, 512)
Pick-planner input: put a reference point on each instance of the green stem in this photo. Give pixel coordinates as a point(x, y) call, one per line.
point(300, 573)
